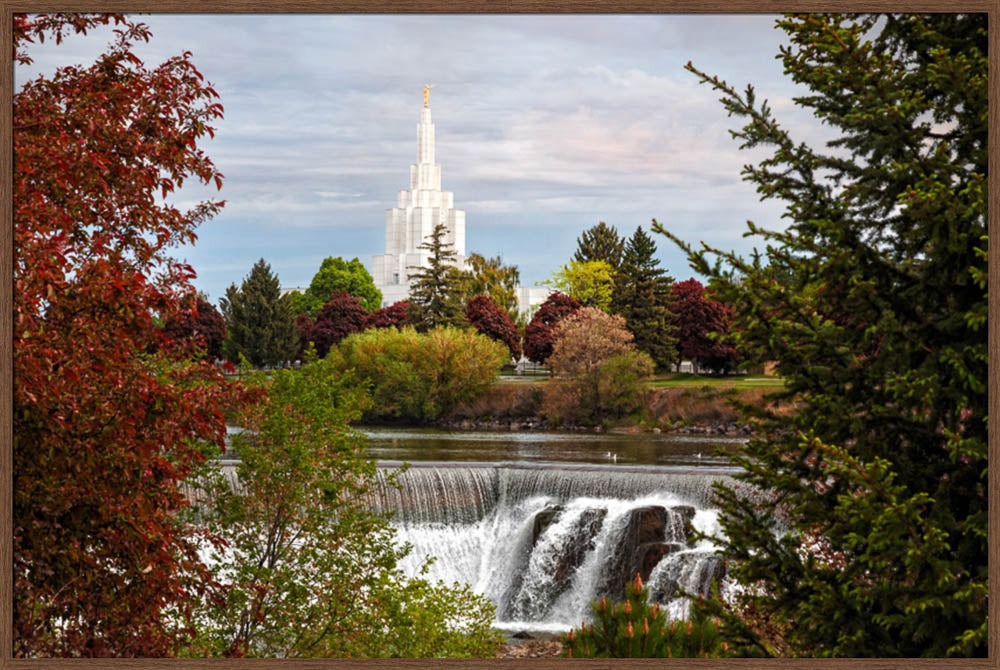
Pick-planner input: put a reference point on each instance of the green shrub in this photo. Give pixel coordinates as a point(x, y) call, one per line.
point(636, 629)
point(421, 376)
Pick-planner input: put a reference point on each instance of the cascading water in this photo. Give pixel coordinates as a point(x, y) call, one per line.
point(542, 541)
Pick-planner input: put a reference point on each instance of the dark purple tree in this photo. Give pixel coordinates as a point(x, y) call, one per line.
point(202, 326)
point(539, 335)
point(395, 315)
point(339, 317)
point(491, 320)
point(696, 316)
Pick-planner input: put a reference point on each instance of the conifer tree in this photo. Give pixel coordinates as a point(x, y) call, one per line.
point(260, 320)
point(644, 298)
point(870, 538)
point(436, 295)
point(600, 243)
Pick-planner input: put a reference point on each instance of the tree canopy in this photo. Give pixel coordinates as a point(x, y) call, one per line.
point(877, 481)
point(539, 334)
point(107, 418)
point(590, 282)
point(600, 243)
point(702, 327)
point(336, 274)
point(200, 326)
point(498, 281)
point(260, 320)
point(643, 296)
point(340, 316)
point(436, 294)
point(488, 318)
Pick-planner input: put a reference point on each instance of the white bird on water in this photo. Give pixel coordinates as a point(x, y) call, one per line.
point(613, 457)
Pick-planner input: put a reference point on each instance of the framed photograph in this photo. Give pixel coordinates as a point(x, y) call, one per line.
point(431, 331)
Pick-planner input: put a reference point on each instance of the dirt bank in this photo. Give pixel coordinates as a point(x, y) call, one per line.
point(518, 406)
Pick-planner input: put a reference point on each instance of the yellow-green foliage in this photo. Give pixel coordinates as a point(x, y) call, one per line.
point(635, 629)
point(420, 376)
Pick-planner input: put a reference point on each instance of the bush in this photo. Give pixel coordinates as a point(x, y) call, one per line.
point(420, 376)
point(634, 629)
point(597, 373)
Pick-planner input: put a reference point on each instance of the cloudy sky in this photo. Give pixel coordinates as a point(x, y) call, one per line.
point(545, 125)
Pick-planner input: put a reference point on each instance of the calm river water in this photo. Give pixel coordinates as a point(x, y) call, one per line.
point(532, 447)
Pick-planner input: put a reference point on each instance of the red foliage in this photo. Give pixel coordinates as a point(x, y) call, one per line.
point(339, 317)
point(202, 327)
point(105, 431)
point(493, 321)
point(539, 335)
point(395, 315)
point(697, 315)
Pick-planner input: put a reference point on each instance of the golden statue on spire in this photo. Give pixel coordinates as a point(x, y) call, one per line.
point(427, 92)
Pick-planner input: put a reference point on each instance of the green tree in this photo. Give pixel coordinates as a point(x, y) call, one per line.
point(260, 320)
point(309, 569)
point(437, 291)
point(878, 478)
point(498, 281)
point(336, 274)
point(600, 243)
point(643, 296)
point(590, 282)
point(422, 376)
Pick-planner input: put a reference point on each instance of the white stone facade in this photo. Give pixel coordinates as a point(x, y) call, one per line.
point(529, 298)
point(409, 224)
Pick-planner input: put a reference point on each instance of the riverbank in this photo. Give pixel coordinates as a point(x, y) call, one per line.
point(517, 406)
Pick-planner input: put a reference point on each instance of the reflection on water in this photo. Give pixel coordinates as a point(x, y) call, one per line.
point(429, 444)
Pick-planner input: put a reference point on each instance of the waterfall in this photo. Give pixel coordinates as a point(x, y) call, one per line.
point(543, 541)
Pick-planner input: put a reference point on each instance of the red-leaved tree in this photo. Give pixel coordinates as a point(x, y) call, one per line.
point(339, 317)
point(493, 321)
point(201, 327)
point(104, 430)
point(396, 315)
point(696, 316)
point(539, 334)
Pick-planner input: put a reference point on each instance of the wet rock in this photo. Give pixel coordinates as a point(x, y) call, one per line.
point(584, 531)
point(543, 520)
point(645, 525)
point(651, 553)
point(523, 635)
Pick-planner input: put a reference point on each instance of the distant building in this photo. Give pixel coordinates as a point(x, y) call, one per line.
point(418, 211)
point(409, 224)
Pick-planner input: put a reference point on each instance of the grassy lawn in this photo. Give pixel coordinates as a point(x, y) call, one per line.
point(682, 379)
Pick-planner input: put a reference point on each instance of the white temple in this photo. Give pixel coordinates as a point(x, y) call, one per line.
point(410, 223)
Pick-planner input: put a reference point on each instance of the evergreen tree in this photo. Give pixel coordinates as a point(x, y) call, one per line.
point(260, 320)
point(600, 243)
point(436, 294)
point(871, 538)
point(644, 298)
